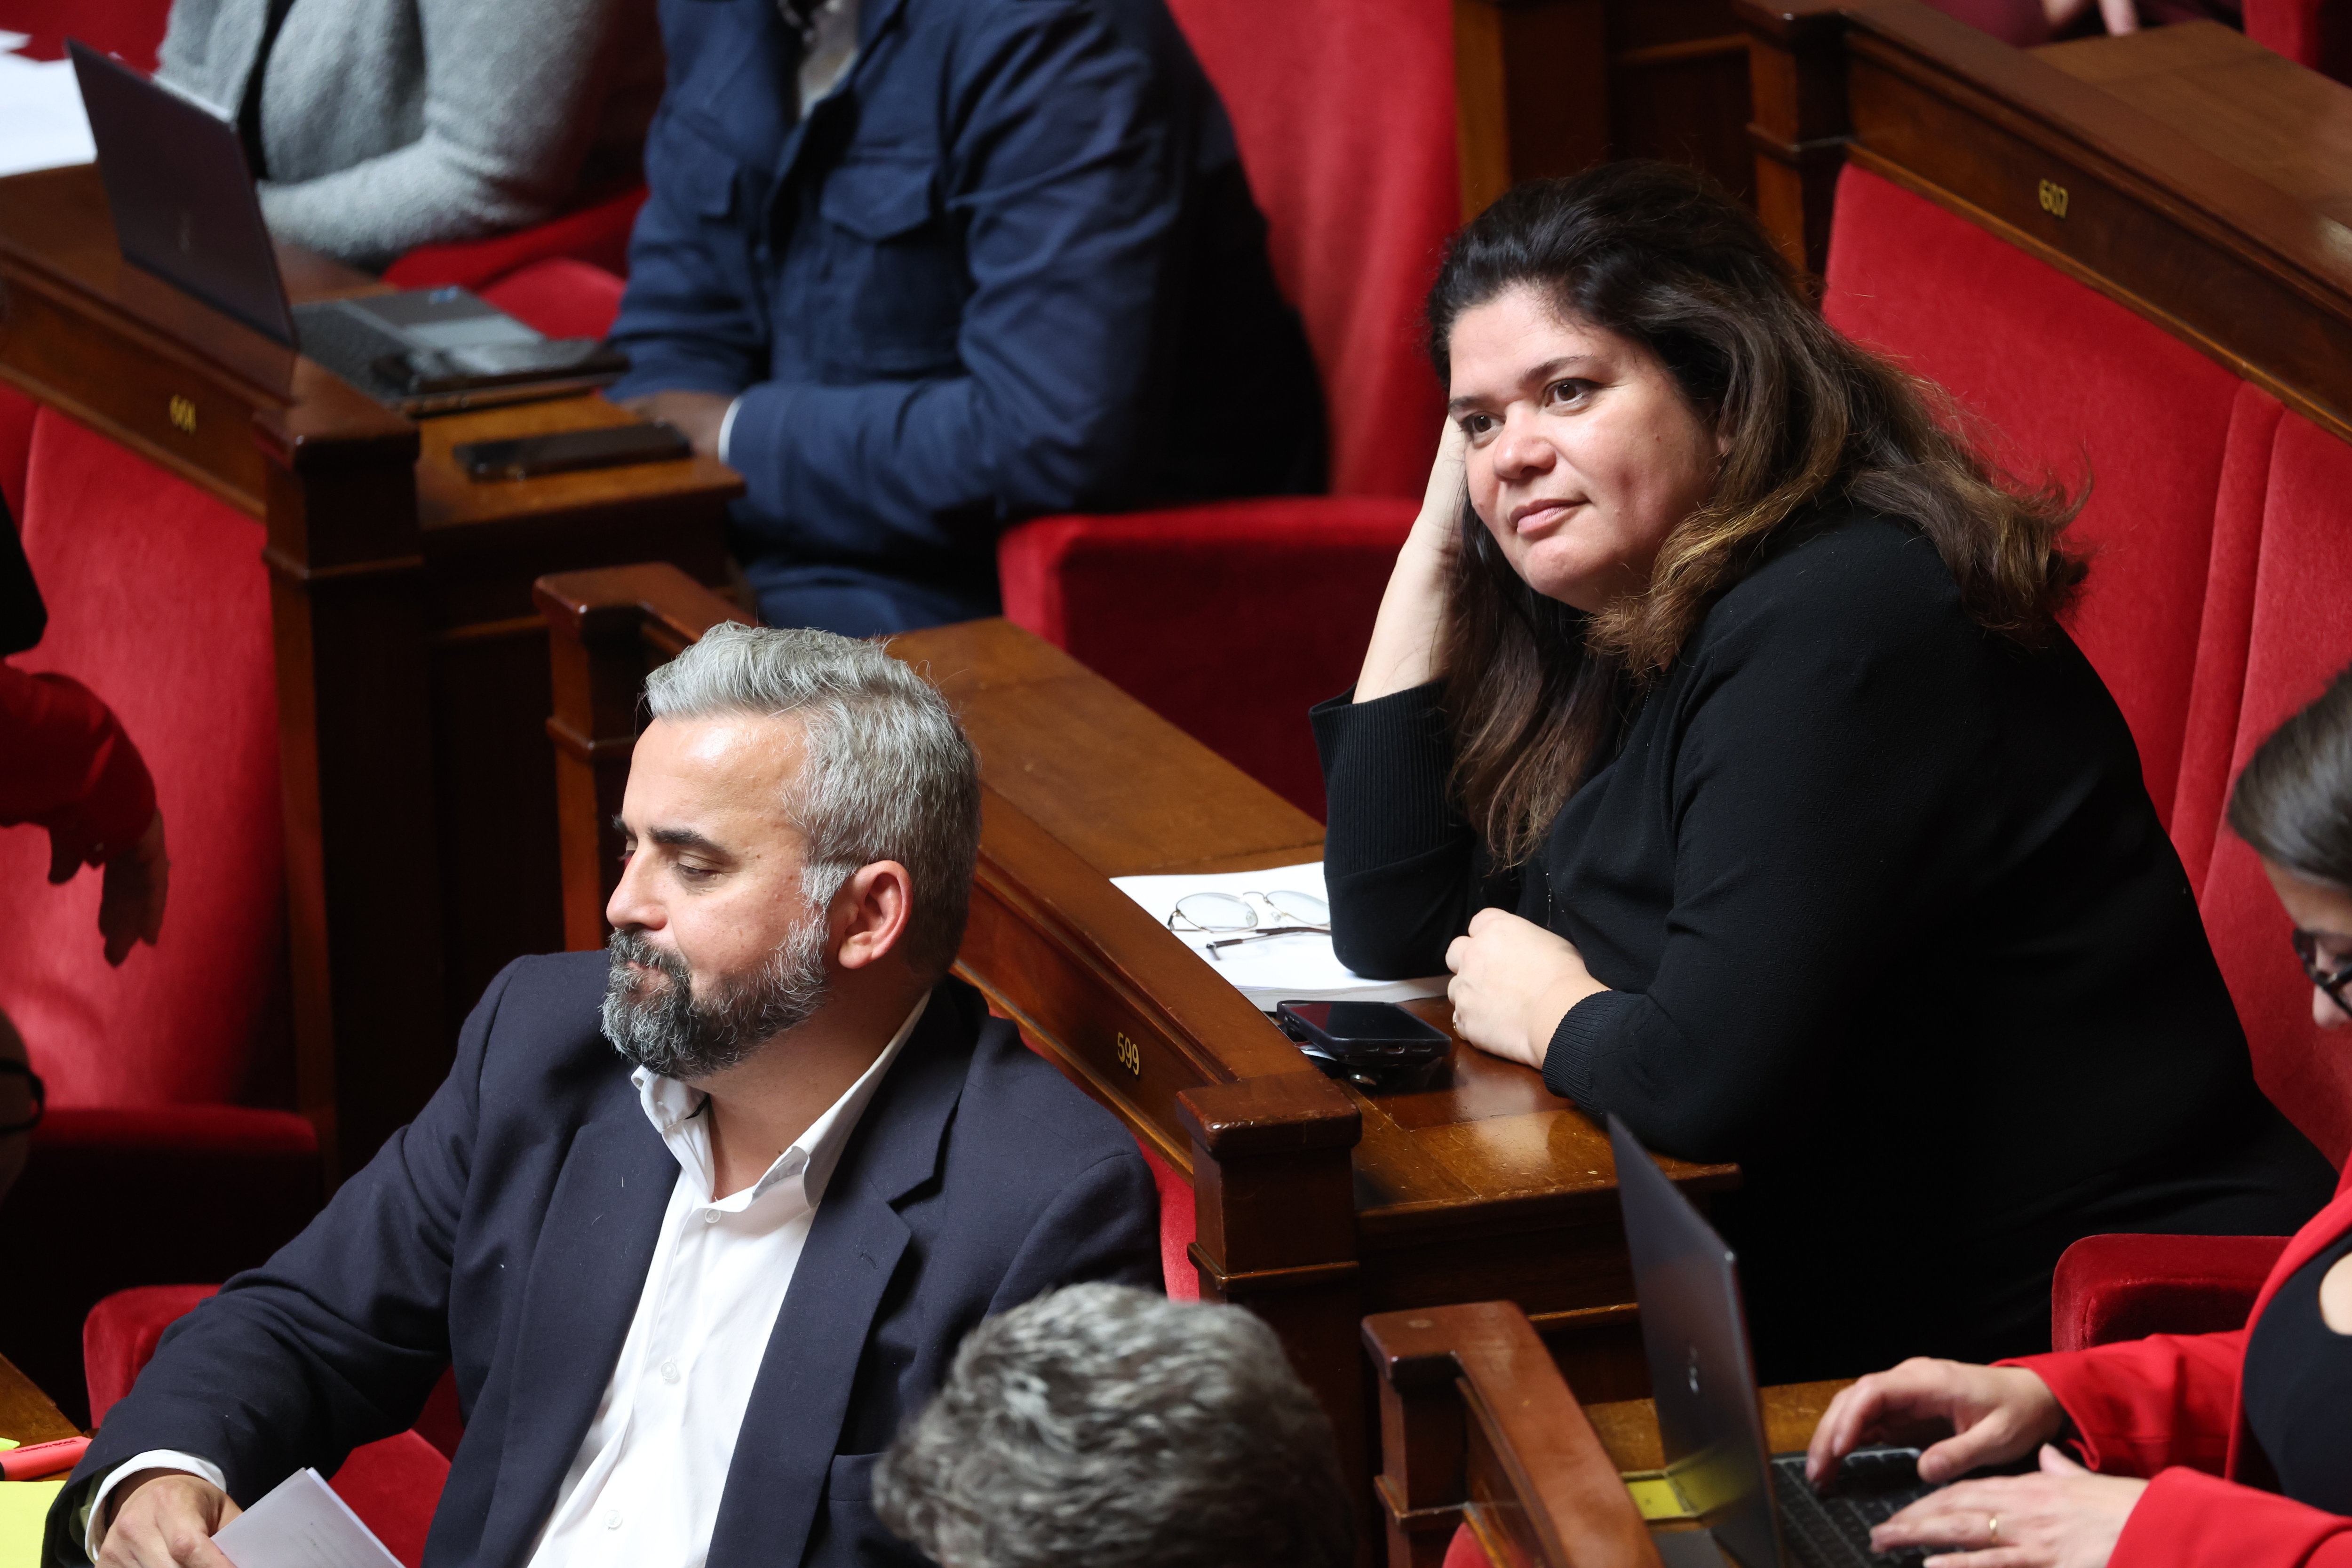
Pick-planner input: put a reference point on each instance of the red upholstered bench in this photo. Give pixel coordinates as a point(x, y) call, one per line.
point(158, 601)
point(2215, 606)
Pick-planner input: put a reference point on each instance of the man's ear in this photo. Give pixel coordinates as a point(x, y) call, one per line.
point(873, 907)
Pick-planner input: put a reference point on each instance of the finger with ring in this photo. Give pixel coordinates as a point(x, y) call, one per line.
point(1993, 1530)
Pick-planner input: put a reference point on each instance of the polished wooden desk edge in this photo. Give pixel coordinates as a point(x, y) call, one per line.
point(1570, 1496)
point(2199, 190)
point(27, 1413)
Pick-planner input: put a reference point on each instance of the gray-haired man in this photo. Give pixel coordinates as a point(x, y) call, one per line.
point(1104, 1427)
point(689, 1290)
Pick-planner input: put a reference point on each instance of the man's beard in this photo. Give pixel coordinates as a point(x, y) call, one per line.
point(656, 1022)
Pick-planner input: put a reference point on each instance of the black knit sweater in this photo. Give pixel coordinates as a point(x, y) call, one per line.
point(1887, 917)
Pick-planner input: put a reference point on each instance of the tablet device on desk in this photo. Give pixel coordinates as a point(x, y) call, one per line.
point(185, 210)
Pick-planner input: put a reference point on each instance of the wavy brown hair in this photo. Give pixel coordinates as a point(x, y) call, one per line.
point(1661, 255)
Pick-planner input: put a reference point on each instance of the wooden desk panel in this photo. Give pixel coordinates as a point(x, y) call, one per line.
point(412, 674)
point(2170, 170)
point(27, 1415)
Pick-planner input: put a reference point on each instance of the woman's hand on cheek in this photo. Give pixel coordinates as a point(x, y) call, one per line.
point(1513, 982)
point(1438, 526)
point(2065, 1517)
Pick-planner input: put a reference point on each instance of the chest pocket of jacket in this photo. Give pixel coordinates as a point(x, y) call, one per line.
point(892, 274)
point(703, 184)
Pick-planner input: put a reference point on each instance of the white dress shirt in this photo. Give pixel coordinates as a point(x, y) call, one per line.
point(646, 1484)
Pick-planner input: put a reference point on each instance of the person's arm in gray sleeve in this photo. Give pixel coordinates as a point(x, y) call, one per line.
point(513, 96)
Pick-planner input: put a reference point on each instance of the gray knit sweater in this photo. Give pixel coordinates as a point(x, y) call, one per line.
point(394, 123)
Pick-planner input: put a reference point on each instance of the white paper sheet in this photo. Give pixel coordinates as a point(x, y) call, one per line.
point(301, 1524)
point(1299, 968)
point(41, 123)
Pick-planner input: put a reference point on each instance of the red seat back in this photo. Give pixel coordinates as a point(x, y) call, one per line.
point(132, 29)
point(1344, 113)
point(159, 603)
point(2068, 383)
point(2314, 33)
point(2300, 634)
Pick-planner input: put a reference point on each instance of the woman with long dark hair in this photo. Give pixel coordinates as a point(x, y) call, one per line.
point(2269, 1405)
point(1719, 734)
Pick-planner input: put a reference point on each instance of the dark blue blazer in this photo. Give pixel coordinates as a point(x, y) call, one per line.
point(508, 1231)
point(1010, 267)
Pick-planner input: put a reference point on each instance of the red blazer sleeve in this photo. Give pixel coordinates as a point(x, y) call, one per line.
point(2186, 1519)
point(66, 765)
point(2142, 1405)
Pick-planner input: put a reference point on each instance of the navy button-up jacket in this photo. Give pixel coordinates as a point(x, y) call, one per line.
point(1009, 267)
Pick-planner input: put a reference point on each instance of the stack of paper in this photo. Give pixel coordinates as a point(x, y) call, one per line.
point(1298, 968)
point(41, 123)
point(301, 1524)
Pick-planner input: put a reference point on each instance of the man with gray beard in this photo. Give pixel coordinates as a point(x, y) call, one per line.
point(692, 1290)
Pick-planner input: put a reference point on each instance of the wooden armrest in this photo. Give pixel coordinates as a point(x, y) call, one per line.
point(1478, 1427)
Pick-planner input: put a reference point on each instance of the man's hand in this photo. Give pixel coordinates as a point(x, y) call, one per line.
point(165, 1519)
point(1994, 1413)
point(1513, 982)
point(2065, 1517)
point(697, 415)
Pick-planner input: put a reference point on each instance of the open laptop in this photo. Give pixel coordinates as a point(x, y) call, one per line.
point(1757, 1509)
point(185, 210)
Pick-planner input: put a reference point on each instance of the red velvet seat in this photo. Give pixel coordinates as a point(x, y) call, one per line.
point(2299, 634)
point(596, 233)
point(159, 602)
point(2314, 33)
point(1229, 620)
point(2067, 382)
point(393, 1485)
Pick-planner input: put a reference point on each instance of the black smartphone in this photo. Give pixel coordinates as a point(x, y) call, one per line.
point(421, 371)
point(1363, 1036)
point(603, 447)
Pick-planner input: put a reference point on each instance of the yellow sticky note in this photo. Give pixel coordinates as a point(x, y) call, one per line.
point(24, 1510)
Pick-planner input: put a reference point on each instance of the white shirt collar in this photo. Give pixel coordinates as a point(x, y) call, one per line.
point(676, 1110)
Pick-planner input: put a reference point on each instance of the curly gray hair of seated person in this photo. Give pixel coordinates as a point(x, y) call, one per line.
point(1102, 1427)
point(889, 774)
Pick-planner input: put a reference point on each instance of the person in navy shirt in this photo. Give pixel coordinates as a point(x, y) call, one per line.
point(921, 269)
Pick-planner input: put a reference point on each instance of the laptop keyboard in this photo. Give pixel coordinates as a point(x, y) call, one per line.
point(347, 344)
point(1834, 1532)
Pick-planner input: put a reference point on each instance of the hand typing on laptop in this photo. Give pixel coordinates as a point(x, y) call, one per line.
point(2065, 1515)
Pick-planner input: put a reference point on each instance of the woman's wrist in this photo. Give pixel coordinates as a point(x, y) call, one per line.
point(1549, 1009)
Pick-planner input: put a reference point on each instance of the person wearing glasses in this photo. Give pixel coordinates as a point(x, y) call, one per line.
point(2268, 1406)
point(1719, 734)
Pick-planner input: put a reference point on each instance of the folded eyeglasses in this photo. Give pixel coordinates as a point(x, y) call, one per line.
point(1233, 911)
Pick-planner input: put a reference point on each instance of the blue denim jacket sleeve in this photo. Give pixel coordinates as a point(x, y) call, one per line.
point(1061, 190)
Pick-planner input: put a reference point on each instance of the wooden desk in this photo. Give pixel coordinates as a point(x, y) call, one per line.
point(411, 671)
point(27, 1415)
point(1316, 1201)
point(1479, 1427)
point(2189, 175)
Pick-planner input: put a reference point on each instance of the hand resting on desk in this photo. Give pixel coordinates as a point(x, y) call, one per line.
point(165, 1519)
point(1513, 982)
point(697, 416)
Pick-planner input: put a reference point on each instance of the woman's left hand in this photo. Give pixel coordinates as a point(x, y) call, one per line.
point(1513, 982)
point(2066, 1517)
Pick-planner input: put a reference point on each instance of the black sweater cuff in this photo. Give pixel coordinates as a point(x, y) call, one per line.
point(1387, 769)
point(1576, 1044)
